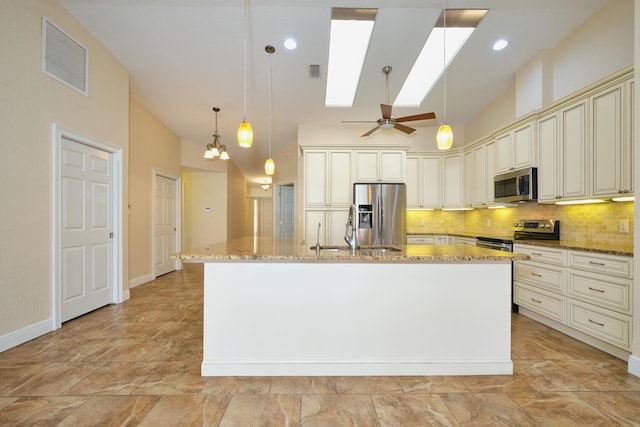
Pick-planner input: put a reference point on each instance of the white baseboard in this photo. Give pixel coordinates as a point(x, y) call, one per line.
point(634, 365)
point(23, 335)
point(140, 280)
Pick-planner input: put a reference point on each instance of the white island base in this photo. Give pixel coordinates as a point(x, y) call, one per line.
point(330, 319)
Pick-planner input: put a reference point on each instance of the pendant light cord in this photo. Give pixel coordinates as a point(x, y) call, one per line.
point(245, 60)
point(270, 101)
point(444, 64)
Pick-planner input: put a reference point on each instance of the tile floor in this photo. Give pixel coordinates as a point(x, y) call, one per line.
point(138, 363)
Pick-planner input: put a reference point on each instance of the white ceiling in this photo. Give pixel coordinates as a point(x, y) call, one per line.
point(186, 56)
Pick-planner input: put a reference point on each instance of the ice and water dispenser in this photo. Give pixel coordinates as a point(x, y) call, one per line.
point(365, 217)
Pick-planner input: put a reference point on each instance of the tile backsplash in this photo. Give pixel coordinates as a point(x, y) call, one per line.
point(589, 223)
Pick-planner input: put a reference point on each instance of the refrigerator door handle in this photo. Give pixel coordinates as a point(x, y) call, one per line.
point(380, 219)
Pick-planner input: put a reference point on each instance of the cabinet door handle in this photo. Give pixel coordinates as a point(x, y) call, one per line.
point(537, 275)
point(536, 254)
point(596, 290)
point(599, 324)
point(602, 264)
point(535, 300)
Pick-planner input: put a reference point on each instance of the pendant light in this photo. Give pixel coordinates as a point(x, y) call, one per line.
point(245, 132)
point(216, 149)
point(269, 164)
point(444, 137)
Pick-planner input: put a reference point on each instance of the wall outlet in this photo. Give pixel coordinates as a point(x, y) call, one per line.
point(423, 222)
point(623, 226)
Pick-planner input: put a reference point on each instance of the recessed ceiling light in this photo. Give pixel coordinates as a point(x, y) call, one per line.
point(429, 66)
point(348, 43)
point(500, 44)
point(290, 43)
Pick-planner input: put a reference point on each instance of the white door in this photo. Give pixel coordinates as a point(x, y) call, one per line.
point(286, 211)
point(86, 229)
point(165, 228)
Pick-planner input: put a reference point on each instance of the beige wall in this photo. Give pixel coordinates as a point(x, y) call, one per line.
point(30, 103)
point(236, 202)
point(151, 146)
point(204, 207)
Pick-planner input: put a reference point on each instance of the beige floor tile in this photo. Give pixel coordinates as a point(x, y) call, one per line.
point(262, 410)
point(412, 410)
point(168, 378)
point(603, 375)
point(434, 384)
point(561, 409)
point(487, 409)
point(338, 410)
point(498, 383)
point(187, 410)
point(54, 379)
point(40, 411)
point(13, 374)
point(303, 385)
point(237, 385)
point(548, 376)
point(367, 385)
point(6, 401)
point(622, 407)
point(123, 350)
point(114, 378)
point(111, 411)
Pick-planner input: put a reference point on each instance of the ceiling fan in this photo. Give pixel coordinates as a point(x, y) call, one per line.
point(389, 122)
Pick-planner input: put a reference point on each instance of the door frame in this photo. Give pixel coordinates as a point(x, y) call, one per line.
point(277, 200)
point(177, 211)
point(116, 155)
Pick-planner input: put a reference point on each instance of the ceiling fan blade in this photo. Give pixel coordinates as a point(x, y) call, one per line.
point(424, 116)
point(386, 111)
point(372, 131)
point(403, 128)
point(359, 121)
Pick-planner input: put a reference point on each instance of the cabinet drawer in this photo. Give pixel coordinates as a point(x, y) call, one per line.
point(546, 303)
point(547, 277)
point(603, 324)
point(545, 255)
point(604, 291)
point(602, 263)
point(421, 240)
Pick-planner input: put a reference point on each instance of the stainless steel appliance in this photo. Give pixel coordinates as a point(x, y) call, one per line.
point(380, 213)
point(517, 186)
point(536, 229)
point(495, 243)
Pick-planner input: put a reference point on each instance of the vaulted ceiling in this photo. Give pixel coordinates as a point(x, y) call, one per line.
point(186, 56)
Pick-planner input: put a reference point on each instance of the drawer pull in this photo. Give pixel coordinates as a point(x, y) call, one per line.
point(602, 264)
point(599, 324)
point(536, 254)
point(535, 300)
point(537, 275)
point(595, 289)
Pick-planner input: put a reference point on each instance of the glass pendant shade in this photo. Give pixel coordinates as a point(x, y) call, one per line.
point(245, 135)
point(223, 154)
point(444, 137)
point(269, 166)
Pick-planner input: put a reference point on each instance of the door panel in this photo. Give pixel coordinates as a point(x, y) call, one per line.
point(86, 226)
point(165, 230)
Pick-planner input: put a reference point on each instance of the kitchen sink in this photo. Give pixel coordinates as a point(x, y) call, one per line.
point(360, 249)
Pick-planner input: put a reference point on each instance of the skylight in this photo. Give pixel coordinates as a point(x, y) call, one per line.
point(348, 43)
point(431, 62)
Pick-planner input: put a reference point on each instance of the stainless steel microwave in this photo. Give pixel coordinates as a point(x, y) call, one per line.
point(517, 186)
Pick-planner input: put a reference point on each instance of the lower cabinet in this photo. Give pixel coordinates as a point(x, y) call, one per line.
point(457, 240)
point(586, 291)
point(427, 240)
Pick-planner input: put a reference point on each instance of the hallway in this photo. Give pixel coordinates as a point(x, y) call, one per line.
point(138, 363)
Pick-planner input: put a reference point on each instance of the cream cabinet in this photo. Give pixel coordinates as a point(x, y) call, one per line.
point(424, 178)
point(452, 194)
point(479, 171)
point(562, 139)
point(332, 226)
point(515, 148)
point(380, 165)
point(327, 178)
point(427, 239)
point(585, 291)
point(611, 142)
point(458, 240)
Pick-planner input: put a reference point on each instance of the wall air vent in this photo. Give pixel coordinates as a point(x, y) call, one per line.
point(314, 70)
point(63, 58)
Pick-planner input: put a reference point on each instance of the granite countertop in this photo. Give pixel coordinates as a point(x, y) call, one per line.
point(611, 248)
point(277, 250)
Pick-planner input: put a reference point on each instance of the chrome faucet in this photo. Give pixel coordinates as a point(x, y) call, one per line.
point(318, 240)
point(351, 229)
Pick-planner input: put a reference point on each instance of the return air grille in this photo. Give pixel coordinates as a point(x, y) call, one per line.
point(63, 58)
point(314, 70)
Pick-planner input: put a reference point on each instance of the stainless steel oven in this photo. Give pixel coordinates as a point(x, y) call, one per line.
point(493, 243)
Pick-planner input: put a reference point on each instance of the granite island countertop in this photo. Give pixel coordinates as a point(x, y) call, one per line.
point(249, 249)
point(611, 248)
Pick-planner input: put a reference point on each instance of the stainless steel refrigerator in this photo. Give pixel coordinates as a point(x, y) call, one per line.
point(380, 212)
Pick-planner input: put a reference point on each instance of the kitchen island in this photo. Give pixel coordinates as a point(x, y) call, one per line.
point(273, 307)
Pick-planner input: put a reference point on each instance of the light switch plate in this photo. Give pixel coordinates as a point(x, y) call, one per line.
point(623, 226)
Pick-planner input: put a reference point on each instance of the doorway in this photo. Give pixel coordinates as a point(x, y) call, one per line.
point(166, 214)
point(87, 225)
point(285, 210)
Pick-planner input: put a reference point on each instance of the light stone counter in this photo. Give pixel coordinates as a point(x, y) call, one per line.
point(275, 250)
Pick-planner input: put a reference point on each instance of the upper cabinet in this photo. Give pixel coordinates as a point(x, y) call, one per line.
point(515, 148)
point(424, 178)
point(380, 165)
point(479, 171)
point(452, 181)
point(327, 178)
point(612, 141)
